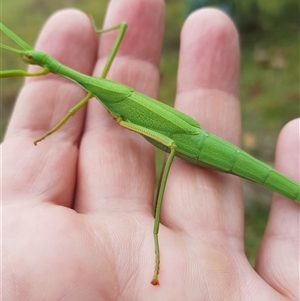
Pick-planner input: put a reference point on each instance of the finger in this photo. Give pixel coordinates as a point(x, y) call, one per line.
point(49, 169)
point(208, 74)
point(208, 80)
point(278, 259)
point(122, 162)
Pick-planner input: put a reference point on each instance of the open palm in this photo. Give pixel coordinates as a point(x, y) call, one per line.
point(77, 209)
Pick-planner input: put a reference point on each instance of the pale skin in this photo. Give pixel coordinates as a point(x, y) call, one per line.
point(77, 208)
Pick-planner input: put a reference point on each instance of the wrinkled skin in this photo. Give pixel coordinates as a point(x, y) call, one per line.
point(77, 221)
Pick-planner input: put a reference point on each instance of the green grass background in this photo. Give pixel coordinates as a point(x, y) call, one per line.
point(269, 33)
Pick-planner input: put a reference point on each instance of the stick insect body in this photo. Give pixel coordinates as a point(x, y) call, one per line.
point(163, 126)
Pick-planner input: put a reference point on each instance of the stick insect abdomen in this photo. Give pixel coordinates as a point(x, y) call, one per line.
point(218, 154)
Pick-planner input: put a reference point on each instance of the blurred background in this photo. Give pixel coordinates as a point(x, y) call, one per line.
point(269, 88)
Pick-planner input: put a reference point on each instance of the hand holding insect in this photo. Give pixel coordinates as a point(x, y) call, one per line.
point(111, 225)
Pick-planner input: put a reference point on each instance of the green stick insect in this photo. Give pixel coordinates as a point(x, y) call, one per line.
point(164, 127)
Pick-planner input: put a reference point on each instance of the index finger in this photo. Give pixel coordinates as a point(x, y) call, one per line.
point(41, 104)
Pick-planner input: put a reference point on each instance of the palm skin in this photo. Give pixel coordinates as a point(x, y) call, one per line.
point(77, 209)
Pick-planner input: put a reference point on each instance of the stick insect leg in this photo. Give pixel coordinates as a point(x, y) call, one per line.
point(22, 73)
point(66, 118)
point(122, 29)
point(159, 200)
point(169, 143)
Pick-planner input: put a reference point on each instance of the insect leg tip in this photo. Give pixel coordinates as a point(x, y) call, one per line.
point(37, 141)
point(154, 282)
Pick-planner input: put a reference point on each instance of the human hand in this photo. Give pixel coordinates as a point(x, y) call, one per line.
point(77, 209)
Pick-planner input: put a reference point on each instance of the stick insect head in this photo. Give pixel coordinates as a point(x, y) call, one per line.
point(28, 54)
